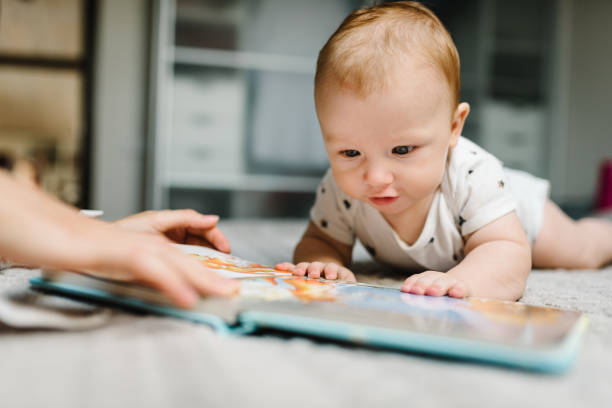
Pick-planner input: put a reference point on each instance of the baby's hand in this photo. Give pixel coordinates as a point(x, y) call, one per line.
point(434, 283)
point(316, 270)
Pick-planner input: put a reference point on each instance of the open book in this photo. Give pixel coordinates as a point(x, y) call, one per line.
point(507, 333)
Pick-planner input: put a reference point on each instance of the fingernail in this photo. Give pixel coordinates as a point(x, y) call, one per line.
point(210, 217)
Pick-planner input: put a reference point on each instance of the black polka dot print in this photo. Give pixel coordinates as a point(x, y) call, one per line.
point(470, 171)
point(347, 204)
point(324, 223)
point(461, 221)
point(431, 240)
point(371, 250)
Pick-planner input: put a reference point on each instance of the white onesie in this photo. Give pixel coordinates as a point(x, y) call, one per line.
point(475, 191)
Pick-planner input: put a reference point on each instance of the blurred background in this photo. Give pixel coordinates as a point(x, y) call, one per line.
point(207, 104)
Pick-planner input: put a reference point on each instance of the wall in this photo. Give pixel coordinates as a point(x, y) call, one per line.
point(119, 106)
point(589, 119)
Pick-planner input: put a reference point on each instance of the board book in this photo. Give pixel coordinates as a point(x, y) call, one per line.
point(507, 333)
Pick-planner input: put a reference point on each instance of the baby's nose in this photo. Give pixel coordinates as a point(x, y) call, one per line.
point(378, 175)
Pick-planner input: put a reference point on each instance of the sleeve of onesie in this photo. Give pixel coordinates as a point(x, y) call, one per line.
point(480, 190)
point(327, 214)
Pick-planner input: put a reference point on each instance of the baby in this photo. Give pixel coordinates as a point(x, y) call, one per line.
point(407, 184)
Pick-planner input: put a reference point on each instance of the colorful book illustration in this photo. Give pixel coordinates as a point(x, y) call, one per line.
point(507, 333)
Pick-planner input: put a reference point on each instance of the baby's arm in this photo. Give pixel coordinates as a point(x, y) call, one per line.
point(319, 255)
point(496, 265)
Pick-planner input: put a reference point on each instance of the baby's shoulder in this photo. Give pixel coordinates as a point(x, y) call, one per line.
point(468, 163)
point(328, 184)
point(468, 155)
point(328, 190)
point(469, 168)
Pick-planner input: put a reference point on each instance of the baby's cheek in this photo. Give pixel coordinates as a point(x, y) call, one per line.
point(422, 182)
point(351, 186)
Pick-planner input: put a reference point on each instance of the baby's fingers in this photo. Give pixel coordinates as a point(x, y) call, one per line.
point(459, 290)
point(419, 283)
point(285, 266)
point(447, 285)
point(441, 286)
point(409, 283)
point(301, 269)
point(312, 269)
point(346, 275)
point(315, 269)
point(330, 271)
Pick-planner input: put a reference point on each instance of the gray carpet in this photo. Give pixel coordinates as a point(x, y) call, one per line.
point(127, 360)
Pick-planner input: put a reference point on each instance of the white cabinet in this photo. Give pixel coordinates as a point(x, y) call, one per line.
point(232, 108)
point(206, 135)
point(515, 134)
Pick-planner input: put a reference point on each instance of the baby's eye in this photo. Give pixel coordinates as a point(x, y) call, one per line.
point(350, 153)
point(402, 149)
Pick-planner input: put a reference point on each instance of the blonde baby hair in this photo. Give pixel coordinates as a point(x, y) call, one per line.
point(372, 42)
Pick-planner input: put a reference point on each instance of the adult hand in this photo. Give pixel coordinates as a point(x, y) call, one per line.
point(181, 226)
point(116, 253)
point(39, 230)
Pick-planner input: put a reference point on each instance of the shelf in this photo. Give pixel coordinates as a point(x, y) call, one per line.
point(208, 57)
point(517, 46)
point(242, 182)
point(203, 14)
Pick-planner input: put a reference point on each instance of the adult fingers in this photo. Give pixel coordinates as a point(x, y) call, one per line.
point(220, 244)
point(215, 237)
point(156, 272)
point(198, 276)
point(195, 240)
point(177, 274)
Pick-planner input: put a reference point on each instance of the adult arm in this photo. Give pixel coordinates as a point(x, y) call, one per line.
point(37, 229)
point(180, 226)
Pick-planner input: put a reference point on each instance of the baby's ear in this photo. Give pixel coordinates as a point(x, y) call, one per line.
point(461, 113)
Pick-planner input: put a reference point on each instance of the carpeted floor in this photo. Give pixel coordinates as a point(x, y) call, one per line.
point(132, 360)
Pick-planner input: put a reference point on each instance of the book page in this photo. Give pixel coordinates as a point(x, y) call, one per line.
point(228, 265)
point(493, 321)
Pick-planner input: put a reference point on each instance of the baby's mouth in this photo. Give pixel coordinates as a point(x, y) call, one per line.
point(383, 200)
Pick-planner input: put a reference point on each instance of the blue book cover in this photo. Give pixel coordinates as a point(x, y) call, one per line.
point(507, 333)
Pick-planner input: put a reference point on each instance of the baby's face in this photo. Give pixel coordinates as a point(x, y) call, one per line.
point(389, 149)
